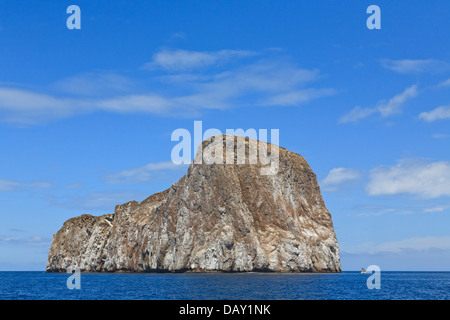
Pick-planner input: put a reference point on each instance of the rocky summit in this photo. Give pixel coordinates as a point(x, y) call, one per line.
point(218, 217)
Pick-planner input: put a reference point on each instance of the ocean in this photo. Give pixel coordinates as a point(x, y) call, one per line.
point(217, 286)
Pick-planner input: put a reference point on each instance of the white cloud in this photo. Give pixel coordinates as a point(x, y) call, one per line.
point(149, 103)
point(445, 83)
point(11, 185)
point(428, 180)
point(178, 35)
point(440, 136)
point(296, 97)
point(411, 66)
point(95, 84)
point(439, 113)
point(377, 210)
point(182, 60)
point(435, 209)
point(384, 108)
point(263, 83)
point(393, 106)
point(97, 202)
point(75, 185)
point(270, 82)
point(33, 241)
point(357, 113)
point(338, 177)
point(26, 107)
point(143, 174)
point(419, 244)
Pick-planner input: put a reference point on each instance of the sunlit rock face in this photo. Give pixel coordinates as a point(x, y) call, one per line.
point(218, 217)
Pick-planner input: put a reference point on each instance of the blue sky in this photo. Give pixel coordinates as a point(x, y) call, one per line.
point(86, 115)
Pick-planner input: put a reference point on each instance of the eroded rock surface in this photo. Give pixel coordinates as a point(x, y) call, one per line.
point(218, 217)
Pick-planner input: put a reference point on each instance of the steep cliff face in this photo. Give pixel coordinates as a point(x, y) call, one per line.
point(218, 217)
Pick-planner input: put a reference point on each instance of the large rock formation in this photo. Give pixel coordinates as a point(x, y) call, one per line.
point(218, 217)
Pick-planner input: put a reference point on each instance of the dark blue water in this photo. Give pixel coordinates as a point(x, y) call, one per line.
point(347, 285)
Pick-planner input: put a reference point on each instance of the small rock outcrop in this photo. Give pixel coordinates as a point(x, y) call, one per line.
point(218, 217)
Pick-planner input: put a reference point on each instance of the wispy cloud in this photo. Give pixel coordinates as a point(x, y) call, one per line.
point(183, 60)
point(296, 97)
point(95, 84)
point(411, 66)
point(100, 202)
point(445, 83)
point(394, 105)
point(12, 185)
point(178, 35)
point(425, 179)
point(150, 171)
point(33, 241)
point(266, 82)
point(75, 185)
point(338, 177)
point(412, 244)
point(439, 113)
point(418, 244)
point(26, 107)
point(384, 108)
point(440, 136)
point(262, 83)
point(377, 210)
